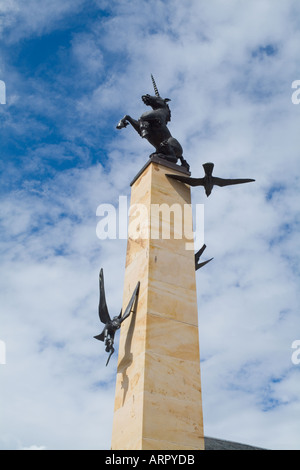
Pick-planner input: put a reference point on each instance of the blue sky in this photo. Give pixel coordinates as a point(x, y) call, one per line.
point(71, 71)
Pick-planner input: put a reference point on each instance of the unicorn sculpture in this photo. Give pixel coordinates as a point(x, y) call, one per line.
point(152, 125)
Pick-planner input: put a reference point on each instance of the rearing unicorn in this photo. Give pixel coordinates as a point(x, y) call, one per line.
point(152, 125)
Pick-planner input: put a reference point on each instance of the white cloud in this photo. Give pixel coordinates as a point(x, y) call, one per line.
point(18, 20)
point(49, 314)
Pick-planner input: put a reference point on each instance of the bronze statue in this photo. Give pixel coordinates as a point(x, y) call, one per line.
point(208, 181)
point(112, 325)
point(152, 125)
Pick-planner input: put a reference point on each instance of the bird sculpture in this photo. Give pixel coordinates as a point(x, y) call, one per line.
point(112, 325)
point(208, 181)
point(197, 257)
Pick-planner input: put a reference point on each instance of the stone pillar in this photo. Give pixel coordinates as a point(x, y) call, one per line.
point(158, 389)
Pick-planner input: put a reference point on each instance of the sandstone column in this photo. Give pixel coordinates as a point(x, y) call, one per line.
point(158, 389)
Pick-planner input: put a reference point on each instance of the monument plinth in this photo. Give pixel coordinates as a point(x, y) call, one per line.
point(158, 403)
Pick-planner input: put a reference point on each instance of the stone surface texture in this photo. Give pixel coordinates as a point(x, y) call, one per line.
point(158, 388)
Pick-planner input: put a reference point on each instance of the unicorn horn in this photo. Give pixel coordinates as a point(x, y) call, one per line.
point(155, 87)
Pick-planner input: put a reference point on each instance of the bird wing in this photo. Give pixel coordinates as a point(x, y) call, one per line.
point(103, 310)
point(188, 180)
point(228, 182)
point(199, 253)
point(131, 302)
point(200, 265)
point(101, 336)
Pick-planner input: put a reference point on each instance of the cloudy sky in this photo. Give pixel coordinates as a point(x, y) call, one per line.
point(72, 69)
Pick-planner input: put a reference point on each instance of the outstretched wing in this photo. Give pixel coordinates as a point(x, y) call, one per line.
point(199, 253)
point(228, 182)
point(131, 302)
point(200, 265)
point(188, 180)
point(103, 310)
point(101, 336)
point(197, 257)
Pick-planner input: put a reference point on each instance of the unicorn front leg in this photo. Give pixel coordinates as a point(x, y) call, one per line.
point(129, 120)
point(122, 123)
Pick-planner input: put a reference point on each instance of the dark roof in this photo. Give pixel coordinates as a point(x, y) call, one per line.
point(220, 444)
